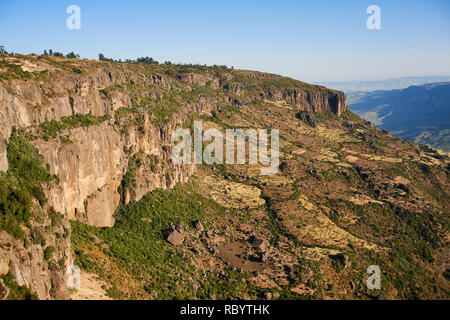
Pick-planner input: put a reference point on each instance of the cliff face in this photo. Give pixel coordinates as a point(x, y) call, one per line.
point(40, 262)
point(90, 168)
point(324, 100)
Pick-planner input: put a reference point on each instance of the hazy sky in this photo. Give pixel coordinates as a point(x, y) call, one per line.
point(308, 40)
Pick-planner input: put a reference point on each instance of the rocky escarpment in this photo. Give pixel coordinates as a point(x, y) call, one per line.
point(323, 100)
point(248, 86)
point(80, 140)
point(140, 106)
point(91, 166)
point(40, 262)
point(104, 131)
point(35, 248)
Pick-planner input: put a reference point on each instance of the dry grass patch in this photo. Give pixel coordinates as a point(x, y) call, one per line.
point(352, 159)
point(372, 157)
point(128, 285)
point(317, 253)
point(363, 199)
point(233, 194)
point(334, 134)
point(312, 227)
point(326, 155)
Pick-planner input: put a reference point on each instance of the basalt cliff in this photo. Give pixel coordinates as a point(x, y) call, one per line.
point(86, 145)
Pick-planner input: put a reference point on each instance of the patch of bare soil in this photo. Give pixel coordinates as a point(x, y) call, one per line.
point(91, 288)
point(235, 254)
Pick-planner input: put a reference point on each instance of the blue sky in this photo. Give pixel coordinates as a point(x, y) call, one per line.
point(322, 40)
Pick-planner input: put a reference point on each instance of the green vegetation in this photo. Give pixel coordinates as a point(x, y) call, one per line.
point(15, 205)
point(21, 184)
point(56, 53)
point(53, 128)
point(128, 178)
point(137, 245)
point(134, 259)
point(17, 292)
point(161, 106)
point(83, 120)
point(269, 82)
point(349, 115)
point(48, 253)
point(121, 112)
point(13, 71)
point(325, 116)
point(72, 55)
point(168, 67)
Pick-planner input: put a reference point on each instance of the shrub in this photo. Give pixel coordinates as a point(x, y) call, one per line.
point(51, 128)
point(48, 253)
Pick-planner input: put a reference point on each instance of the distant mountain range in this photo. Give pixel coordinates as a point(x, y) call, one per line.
point(417, 113)
point(389, 84)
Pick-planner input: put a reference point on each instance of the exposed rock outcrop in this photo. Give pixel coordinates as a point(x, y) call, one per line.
point(174, 235)
point(322, 100)
point(306, 117)
point(4, 264)
point(3, 158)
point(44, 274)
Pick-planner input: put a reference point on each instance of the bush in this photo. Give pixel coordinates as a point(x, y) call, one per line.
point(48, 253)
point(51, 128)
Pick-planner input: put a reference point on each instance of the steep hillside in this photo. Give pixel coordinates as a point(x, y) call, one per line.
point(418, 113)
point(90, 142)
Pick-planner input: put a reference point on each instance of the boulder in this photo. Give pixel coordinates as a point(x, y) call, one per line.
point(175, 236)
point(257, 257)
point(307, 118)
point(341, 259)
point(198, 226)
point(259, 243)
point(401, 183)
